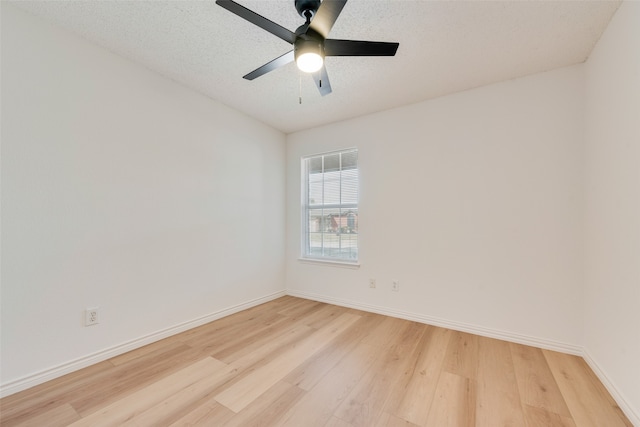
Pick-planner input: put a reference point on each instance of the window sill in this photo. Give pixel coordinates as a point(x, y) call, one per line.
point(330, 263)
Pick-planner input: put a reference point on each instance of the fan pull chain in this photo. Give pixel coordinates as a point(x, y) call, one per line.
point(300, 88)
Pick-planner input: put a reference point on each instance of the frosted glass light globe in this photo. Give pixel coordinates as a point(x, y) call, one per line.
point(309, 62)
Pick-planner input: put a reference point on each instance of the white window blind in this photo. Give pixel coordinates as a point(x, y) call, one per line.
point(330, 206)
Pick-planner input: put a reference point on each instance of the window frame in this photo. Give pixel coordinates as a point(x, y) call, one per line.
point(305, 251)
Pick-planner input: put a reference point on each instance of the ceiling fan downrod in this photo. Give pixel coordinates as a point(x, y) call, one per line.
point(307, 8)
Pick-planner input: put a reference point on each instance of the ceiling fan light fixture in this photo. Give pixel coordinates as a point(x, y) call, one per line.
point(309, 62)
point(309, 55)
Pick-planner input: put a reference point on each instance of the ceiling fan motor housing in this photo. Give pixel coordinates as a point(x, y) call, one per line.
point(307, 45)
point(303, 6)
point(309, 42)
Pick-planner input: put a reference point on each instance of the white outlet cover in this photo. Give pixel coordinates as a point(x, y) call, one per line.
point(91, 316)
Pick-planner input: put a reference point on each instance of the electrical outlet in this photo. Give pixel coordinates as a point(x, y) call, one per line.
point(372, 283)
point(91, 316)
point(395, 285)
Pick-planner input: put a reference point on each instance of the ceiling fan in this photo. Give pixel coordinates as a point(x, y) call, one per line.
point(310, 42)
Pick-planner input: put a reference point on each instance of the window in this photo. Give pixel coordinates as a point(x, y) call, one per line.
point(330, 206)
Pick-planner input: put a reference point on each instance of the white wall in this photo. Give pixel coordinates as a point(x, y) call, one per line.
point(123, 190)
point(612, 298)
point(472, 201)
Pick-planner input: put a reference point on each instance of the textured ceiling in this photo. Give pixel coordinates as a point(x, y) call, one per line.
point(445, 47)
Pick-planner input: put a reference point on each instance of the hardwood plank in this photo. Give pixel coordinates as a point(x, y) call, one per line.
point(390, 420)
point(148, 349)
point(588, 401)
point(262, 356)
point(228, 325)
point(273, 348)
point(137, 403)
point(175, 405)
point(242, 393)
point(127, 378)
point(299, 307)
point(413, 401)
point(209, 413)
point(498, 397)
point(232, 347)
point(309, 373)
point(535, 381)
point(303, 311)
point(366, 401)
point(269, 408)
point(94, 386)
point(325, 315)
point(317, 407)
point(50, 395)
point(60, 416)
point(280, 337)
point(337, 422)
point(389, 327)
point(279, 303)
point(216, 335)
point(538, 417)
point(462, 355)
point(454, 403)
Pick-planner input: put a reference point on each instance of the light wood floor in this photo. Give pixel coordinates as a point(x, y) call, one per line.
point(301, 363)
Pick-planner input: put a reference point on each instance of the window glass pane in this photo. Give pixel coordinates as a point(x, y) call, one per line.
point(331, 220)
point(316, 221)
point(332, 163)
point(351, 221)
point(315, 189)
point(332, 188)
point(350, 160)
point(330, 206)
point(315, 244)
point(331, 245)
point(315, 164)
point(349, 193)
point(349, 246)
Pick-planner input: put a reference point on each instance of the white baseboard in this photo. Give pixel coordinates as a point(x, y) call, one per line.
point(623, 403)
point(449, 324)
point(82, 362)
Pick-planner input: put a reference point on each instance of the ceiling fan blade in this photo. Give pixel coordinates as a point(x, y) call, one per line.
point(333, 47)
point(322, 81)
point(258, 20)
point(326, 16)
point(270, 66)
